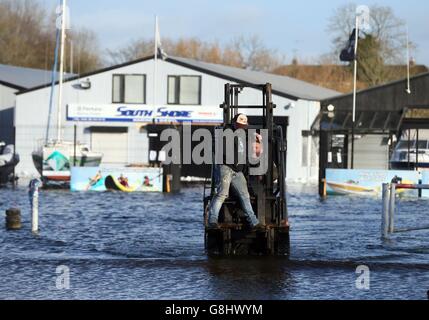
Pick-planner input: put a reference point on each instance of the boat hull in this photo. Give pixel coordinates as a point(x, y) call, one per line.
point(54, 164)
point(6, 171)
point(405, 165)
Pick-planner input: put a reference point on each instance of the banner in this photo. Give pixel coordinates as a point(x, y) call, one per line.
point(129, 113)
point(116, 179)
point(366, 182)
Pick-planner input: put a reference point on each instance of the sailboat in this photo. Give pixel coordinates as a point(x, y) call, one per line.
point(54, 158)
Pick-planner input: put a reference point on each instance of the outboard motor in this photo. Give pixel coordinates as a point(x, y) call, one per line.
point(8, 161)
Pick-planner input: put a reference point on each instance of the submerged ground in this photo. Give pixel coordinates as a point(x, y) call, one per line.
point(151, 246)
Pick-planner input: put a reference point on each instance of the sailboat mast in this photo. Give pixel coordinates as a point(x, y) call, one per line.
point(155, 62)
point(60, 92)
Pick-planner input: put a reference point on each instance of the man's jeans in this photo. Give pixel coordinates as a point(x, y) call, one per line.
point(227, 177)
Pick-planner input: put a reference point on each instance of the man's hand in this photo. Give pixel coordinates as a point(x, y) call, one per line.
point(257, 146)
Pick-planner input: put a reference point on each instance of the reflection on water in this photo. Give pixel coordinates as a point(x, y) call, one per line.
point(151, 246)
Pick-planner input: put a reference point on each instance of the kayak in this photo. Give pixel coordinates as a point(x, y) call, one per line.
point(112, 183)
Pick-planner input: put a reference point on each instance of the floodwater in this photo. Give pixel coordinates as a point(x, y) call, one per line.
point(151, 246)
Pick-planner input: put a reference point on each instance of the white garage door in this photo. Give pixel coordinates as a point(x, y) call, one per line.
point(114, 146)
point(371, 152)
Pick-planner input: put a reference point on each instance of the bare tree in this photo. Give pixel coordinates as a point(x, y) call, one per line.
point(86, 53)
point(134, 50)
point(388, 29)
point(255, 55)
point(27, 37)
point(21, 29)
point(384, 44)
point(249, 53)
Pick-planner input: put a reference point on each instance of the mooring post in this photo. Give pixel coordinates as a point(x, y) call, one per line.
point(34, 186)
point(392, 207)
point(325, 189)
point(168, 183)
point(420, 190)
point(13, 219)
point(385, 212)
point(176, 172)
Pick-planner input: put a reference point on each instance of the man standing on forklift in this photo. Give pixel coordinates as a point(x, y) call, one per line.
point(231, 175)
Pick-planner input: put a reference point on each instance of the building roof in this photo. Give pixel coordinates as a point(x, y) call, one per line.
point(367, 121)
point(388, 96)
point(24, 78)
point(381, 108)
point(282, 85)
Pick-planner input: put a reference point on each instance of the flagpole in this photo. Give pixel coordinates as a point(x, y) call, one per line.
point(354, 91)
point(155, 65)
point(60, 92)
point(408, 64)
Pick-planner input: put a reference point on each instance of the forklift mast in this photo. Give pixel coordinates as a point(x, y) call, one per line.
point(268, 192)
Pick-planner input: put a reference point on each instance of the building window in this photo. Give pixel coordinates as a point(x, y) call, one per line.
point(129, 88)
point(184, 90)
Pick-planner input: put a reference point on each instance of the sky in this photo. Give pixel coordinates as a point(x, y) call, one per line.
point(291, 27)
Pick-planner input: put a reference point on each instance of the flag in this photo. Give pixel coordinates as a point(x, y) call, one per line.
point(348, 53)
point(159, 52)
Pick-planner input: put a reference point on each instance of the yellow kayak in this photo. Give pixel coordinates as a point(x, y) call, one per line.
point(113, 184)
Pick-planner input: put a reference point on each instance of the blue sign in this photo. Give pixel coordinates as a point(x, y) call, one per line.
point(121, 113)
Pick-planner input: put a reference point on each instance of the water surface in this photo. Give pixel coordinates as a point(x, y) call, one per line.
point(151, 246)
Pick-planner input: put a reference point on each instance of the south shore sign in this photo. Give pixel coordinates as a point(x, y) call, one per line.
point(129, 113)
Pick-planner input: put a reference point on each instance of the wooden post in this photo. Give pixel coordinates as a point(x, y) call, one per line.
point(13, 219)
point(420, 190)
point(325, 188)
point(385, 211)
point(167, 181)
point(392, 207)
point(176, 173)
point(323, 158)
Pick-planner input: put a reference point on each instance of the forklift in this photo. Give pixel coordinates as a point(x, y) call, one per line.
point(267, 192)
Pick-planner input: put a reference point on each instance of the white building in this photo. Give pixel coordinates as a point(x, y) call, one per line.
point(13, 80)
point(112, 106)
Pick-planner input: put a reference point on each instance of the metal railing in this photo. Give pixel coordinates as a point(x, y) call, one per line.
point(389, 208)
